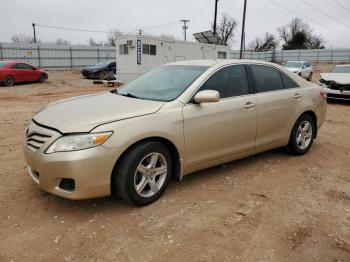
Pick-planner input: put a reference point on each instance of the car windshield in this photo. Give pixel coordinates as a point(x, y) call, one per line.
point(293, 64)
point(2, 64)
point(341, 69)
point(164, 83)
point(102, 64)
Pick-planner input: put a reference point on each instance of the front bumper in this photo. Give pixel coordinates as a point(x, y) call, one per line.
point(90, 169)
point(337, 94)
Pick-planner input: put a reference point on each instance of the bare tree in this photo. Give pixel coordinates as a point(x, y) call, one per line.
point(60, 41)
point(112, 36)
point(93, 42)
point(266, 43)
point(225, 29)
point(22, 38)
point(298, 35)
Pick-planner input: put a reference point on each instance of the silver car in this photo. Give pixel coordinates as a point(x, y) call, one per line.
point(301, 68)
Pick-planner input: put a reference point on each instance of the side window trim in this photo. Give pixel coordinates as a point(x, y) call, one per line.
point(290, 79)
point(250, 87)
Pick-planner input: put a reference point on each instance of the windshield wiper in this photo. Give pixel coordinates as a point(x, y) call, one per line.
point(128, 95)
point(115, 91)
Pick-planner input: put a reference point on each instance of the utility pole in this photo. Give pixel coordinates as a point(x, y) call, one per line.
point(243, 30)
point(215, 16)
point(185, 27)
point(33, 24)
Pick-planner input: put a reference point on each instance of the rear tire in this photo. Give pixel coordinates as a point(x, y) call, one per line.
point(42, 78)
point(9, 81)
point(302, 135)
point(143, 173)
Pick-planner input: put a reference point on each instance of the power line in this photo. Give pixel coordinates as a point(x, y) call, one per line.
point(161, 25)
point(100, 31)
point(322, 12)
point(341, 5)
point(71, 29)
point(308, 18)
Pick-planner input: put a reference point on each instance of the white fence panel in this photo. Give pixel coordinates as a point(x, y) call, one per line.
point(56, 56)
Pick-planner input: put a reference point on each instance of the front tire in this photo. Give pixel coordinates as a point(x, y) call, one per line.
point(143, 173)
point(309, 77)
point(9, 81)
point(101, 75)
point(302, 135)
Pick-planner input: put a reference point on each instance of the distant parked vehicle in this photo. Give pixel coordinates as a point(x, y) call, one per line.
point(12, 72)
point(337, 82)
point(102, 70)
point(301, 68)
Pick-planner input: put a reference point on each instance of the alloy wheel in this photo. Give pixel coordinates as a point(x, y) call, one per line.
point(304, 135)
point(9, 81)
point(150, 174)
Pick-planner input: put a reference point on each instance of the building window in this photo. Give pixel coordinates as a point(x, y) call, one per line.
point(153, 50)
point(145, 49)
point(123, 50)
point(221, 55)
point(149, 49)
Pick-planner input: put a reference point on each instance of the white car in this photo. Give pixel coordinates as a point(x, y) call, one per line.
point(337, 82)
point(302, 68)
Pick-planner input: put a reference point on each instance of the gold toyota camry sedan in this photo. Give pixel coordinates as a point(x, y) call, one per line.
point(174, 120)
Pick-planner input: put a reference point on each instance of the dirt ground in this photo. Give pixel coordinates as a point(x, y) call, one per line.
point(269, 207)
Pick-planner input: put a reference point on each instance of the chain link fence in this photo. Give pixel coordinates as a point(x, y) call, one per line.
point(50, 56)
point(56, 56)
point(312, 55)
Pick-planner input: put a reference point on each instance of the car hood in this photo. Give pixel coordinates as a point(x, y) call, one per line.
point(293, 69)
point(83, 113)
point(339, 78)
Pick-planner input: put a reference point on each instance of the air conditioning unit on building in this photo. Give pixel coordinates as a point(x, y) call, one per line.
point(130, 43)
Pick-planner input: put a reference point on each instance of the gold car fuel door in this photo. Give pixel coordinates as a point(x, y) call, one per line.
point(216, 130)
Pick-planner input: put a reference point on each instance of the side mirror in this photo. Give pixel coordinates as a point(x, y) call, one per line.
point(207, 96)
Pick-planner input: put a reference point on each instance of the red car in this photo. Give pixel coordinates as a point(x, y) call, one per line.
point(14, 72)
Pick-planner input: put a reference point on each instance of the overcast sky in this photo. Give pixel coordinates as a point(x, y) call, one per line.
point(262, 15)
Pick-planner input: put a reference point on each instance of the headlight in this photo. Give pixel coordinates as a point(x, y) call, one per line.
point(78, 142)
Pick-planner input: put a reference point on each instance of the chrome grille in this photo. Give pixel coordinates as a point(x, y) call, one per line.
point(35, 140)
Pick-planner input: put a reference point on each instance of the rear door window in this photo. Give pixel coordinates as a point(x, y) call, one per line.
point(266, 78)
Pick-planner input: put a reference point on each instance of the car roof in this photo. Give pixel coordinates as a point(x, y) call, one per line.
point(348, 65)
point(292, 61)
point(219, 62)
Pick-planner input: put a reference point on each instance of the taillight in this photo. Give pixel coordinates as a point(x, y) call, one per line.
point(323, 94)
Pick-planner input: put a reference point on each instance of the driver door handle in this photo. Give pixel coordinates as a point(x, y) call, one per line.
point(249, 105)
point(297, 96)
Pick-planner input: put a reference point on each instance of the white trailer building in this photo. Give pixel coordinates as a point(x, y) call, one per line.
point(137, 54)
